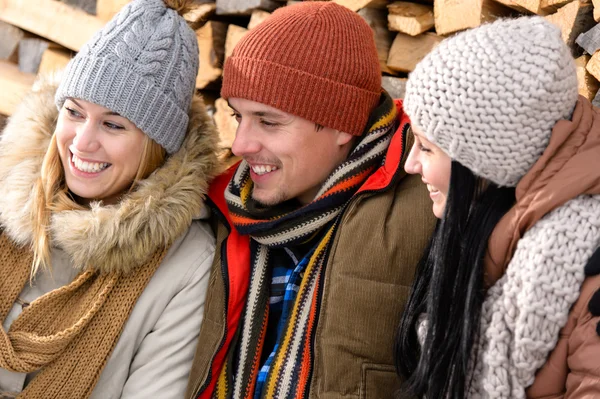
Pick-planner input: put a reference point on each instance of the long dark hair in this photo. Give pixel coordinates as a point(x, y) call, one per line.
point(449, 289)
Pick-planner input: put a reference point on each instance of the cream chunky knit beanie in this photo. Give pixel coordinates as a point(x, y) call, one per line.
point(490, 96)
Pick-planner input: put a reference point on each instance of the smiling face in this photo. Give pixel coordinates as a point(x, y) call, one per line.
point(289, 156)
point(100, 151)
point(434, 166)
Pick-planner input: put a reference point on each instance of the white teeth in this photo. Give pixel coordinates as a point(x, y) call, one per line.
point(263, 169)
point(431, 189)
point(88, 167)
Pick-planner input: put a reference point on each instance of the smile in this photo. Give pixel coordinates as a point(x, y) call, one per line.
point(432, 190)
point(263, 169)
point(88, 167)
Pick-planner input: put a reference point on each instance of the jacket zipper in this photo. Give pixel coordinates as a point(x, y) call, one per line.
point(351, 205)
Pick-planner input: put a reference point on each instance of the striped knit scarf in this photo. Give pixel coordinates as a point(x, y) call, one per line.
point(283, 225)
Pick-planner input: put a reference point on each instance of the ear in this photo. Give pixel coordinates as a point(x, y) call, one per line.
point(343, 138)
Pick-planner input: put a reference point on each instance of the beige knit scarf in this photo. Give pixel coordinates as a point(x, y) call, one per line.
point(69, 333)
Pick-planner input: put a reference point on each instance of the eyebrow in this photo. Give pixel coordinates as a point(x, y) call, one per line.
point(269, 114)
point(110, 113)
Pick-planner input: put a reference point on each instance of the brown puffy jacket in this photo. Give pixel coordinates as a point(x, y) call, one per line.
point(573, 368)
point(569, 167)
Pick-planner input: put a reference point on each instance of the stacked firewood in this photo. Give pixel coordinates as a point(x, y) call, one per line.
point(40, 36)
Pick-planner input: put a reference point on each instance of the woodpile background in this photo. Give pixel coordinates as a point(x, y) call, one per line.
point(40, 36)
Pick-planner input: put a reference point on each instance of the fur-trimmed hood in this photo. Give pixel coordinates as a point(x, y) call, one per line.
point(110, 238)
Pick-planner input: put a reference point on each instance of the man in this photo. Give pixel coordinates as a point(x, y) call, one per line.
point(319, 228)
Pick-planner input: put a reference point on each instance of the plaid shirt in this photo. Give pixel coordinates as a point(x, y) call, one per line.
point(288, 266)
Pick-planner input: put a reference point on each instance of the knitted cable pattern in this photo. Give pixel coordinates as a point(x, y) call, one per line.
point(142, 65)
point(524, 311)
point(69, 333)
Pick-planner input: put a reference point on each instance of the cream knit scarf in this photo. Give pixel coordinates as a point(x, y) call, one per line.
point(69, 333)
point(525, 310)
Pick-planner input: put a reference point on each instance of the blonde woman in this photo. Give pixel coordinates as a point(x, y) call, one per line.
point(104, 256)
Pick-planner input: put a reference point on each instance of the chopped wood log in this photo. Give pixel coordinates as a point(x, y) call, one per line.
point(513, 5)
point(596, 4)
point(210, 65)
point(225, 122)
point(14, 84)
point(200, 15)
point(257, 17)
point(593, 65)
point(377, 20)
point(590, 40)
point(10, 36)
point(551, 6)
point(533, 6)
point(30, 54)
point(587, 84)
point(356, 5)
point(244, 7)
point(106, 9)
point(52, 20)
point(573, 19)
point(410, 18)
point(539, 7)
point(394, 86)
point(455, 15)
point(234, 35)
point(54, 59)
point(88, 6)
point(407, 51)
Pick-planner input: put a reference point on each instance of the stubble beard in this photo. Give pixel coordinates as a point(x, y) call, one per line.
point(277, 198)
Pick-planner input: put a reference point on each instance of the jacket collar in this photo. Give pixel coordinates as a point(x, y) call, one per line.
point(392, 169)
point(109, 238)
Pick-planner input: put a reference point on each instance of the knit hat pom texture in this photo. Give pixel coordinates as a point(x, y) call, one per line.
point(142, 65)
point(490, 96)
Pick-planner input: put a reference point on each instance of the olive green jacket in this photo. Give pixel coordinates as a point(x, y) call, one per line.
point(382, 234)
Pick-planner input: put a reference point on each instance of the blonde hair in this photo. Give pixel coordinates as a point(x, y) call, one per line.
point(51, 194)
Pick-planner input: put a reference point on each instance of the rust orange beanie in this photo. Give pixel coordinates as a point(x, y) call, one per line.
point(314, 59)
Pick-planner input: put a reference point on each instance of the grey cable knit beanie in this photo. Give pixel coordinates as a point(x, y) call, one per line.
point(142, 65)
point(490, 96)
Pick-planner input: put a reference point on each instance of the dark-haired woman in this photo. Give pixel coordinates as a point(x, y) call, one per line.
point(511, 157)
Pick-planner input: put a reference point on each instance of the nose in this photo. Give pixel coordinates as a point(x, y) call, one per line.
point(412, 165)
point(245, 142)
point(86, 138)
